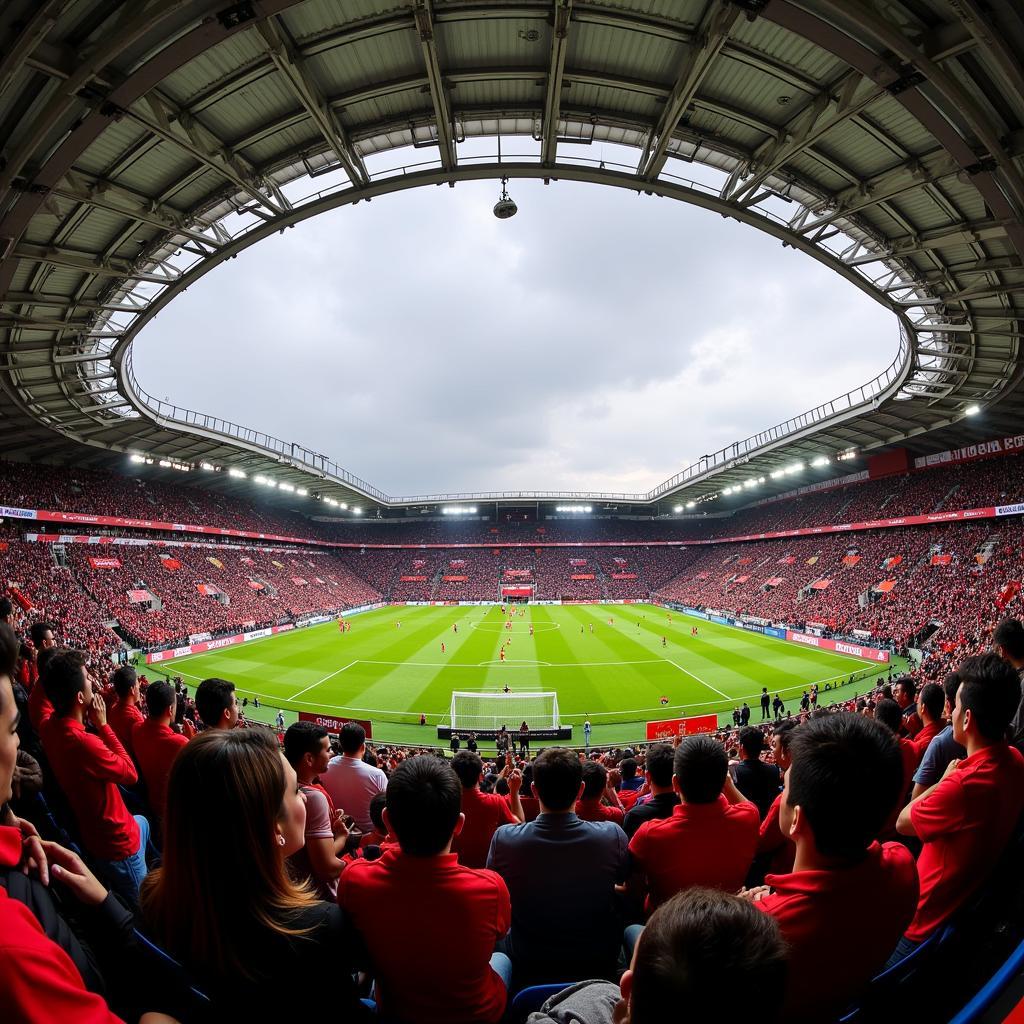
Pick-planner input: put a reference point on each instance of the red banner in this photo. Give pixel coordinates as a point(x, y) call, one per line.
point(774, 581)
point(942, 559)
point(624, 576)
point(215, 645)
point(582, 576)
point(207, 588)
point(821, 584)
point(139, 596)
point(454, 579)
point(517, 591)
point(885, 586)
point(413, 579)
point(170, 564)
point(577, 561)
point(741, 579)
point(839, 646)
point(851, 560)
point(105, 563)
point(672, 727)
point(333, 724)
point(255, 585)
point(299, 581)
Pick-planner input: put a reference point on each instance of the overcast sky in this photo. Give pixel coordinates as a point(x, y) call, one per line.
point(598, 340)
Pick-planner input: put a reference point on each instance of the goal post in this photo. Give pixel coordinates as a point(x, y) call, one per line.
point(488, 712)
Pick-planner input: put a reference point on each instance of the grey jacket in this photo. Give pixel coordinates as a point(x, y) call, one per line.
point(587, 1002)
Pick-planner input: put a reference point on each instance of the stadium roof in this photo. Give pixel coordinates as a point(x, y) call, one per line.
point(146, 141)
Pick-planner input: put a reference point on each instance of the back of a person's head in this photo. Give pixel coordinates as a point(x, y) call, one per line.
point(990, 691)
point(933, 700)
point(628, 767)
point(752, 741)
point(595, 780)
point(352, 738)
point(302, 738)
point(8, 651)
point(37, 633)
point(123, 679)
point(222, 880)
point(63, 678)
point(468, 767)
point(845, 778)
point(1009, 635)
point(424, 801)
point(700, 766)
point(214, 697)
point(659, 763)
point(6, 609)
point(699, 946)
point(557, 775)
point(784, 731)
point(160, 696)
point(889, 714)
point(377, 804)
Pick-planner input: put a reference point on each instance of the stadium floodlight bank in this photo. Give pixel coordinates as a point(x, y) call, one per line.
point(487, 712)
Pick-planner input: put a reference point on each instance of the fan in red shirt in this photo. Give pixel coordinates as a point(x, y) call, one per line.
point(124, 713)
point(591, 806)
point(775, 851)
point(421, 889)
point(157, 744)
point(89, 767)
point(931, 702)
point(843, 782)
point(966, 819)
point(485, 813)
point(887, 712)
point(709, 840)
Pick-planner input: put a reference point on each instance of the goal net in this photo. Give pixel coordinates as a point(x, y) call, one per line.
point(479, 712)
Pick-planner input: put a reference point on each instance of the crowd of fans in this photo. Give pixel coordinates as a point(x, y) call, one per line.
point(152, 824)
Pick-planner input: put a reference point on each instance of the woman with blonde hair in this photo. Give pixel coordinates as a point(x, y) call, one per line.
point(222, 901)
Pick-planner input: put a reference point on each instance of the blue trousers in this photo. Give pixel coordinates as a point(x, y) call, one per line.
point(125, 876)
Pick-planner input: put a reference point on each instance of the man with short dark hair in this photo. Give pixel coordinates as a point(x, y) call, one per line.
point(943, 748)
point(421, 889)
point(89, 767)
point(124, 715)
point(1008, 640)
point(905, 695)
point(931, 702)
point(965, 821)
point(842, 785)
point(7, 611)
point(663, 799)
point(217, 704)
point(484, 812)
point(775, 851)
point(887, 712)
point(156, 743)
point(757, 781)
point(700, 944)
point(308, 750)
point(349, 781)
point(709, 840)
point(560, 861)
point(599, 801)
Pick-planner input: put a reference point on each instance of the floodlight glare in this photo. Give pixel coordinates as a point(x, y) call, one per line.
point(691, 504)
point(357, 511)
point(239, 474)
point(677, 509)
point(972, 410)
point(302, 491)
point(821, 460)
point(286, 487)
point(165, 464)
point(136, 458)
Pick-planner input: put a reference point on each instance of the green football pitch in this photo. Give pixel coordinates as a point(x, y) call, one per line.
point(617, 672)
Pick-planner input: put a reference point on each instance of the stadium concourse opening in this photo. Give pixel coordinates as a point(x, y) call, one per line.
point(757, 727)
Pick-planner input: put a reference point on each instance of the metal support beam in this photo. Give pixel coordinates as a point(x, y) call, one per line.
point(700, 55)
point(29, 34)
point(556, 71)
point(300, 81)
point(424, 14)
point(87, 263)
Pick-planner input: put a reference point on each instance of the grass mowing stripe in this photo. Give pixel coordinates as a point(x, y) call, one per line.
point(296, 696)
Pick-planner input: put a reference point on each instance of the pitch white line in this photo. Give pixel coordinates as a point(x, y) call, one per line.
point(693, 675)
point(319, 681)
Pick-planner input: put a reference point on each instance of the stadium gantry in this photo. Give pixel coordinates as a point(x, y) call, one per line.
point(145, 142)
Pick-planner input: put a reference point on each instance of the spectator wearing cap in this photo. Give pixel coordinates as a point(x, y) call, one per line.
point(124, 713)
point(217, 704)
point(711, 837)
point(943, 748)
point(599, 801)
point(420, 888)
point(758, 782)
point(484, 812)
point(841, 786)
point(965, 820)
point(157, 744)
point(663, 799)
point(349, 781)
point(560, 861)
point(1008, 640)
point(698, 945)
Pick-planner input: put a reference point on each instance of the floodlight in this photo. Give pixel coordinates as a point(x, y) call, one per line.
point(165, 464)
point(357, 511)
point(239, 474)
point(287, 487)
point(344, 504)
point(972, 410)
point(302, 491)
point(776, 473)
point(136, 458)
point(821, 460)
point(691, 504)
point(505, 207)
point(677, 509)
point(209, 467)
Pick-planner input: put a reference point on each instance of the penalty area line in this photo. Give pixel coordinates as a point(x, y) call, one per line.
point(311, 686)
point(692, 675)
